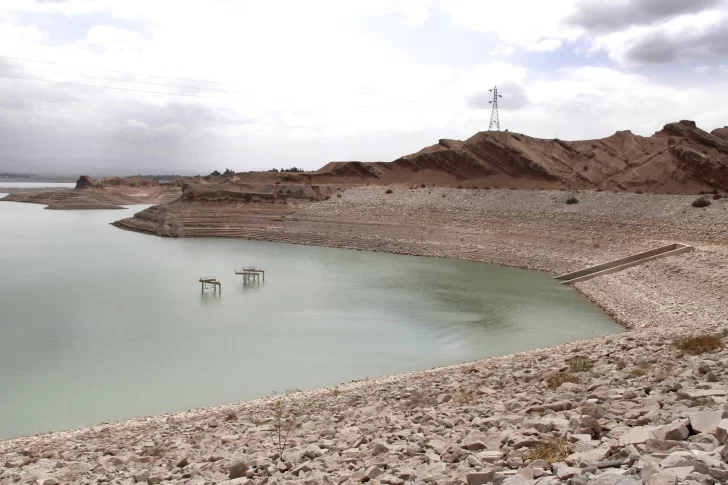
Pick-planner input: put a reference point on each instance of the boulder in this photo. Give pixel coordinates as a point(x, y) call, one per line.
point(705, 421)
point(480, 478)
point(516, 480)
point(662, 478)
point(721, 431)
point(613, 479)
point(638, 435)
point(674, 432)
point(373, 472)
point(649, 469)
point(238, 470)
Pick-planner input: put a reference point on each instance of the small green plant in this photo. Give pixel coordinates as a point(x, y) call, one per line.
point(580, 364)
point(572, 200)
point(700, 344)
point(701, 202)
point(552, 451)
point(388, 191)
point(555, 380)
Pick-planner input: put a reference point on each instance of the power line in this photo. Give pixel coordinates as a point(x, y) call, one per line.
point(187, 95)
point(120, 72)
point(122, 80)
point(122, 89)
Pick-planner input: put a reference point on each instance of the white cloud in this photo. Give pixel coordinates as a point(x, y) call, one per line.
point(114, 38)
point(309, 88)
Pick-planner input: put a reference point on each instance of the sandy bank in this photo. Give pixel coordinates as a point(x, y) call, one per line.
point(96, 198)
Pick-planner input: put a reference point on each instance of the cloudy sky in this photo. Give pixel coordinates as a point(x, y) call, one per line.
point(191, 86)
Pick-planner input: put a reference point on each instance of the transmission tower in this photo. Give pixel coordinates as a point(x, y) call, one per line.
point(494, 121)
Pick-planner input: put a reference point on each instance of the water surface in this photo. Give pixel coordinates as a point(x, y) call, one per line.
point(35, 185)
point(99, 324)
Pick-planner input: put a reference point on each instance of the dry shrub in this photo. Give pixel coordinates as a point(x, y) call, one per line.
point(285, 421)
point(555, 380)
point(642, 369)
point(699, 344)
point(553, 450)
point(580, 364)
point(664, 371)
point(231, 416)
point(464, 396)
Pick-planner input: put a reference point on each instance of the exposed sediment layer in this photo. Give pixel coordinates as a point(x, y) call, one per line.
point(97, 198)
point(633, 408)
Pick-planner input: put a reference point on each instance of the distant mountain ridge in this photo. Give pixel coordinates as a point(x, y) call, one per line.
point(680, 158)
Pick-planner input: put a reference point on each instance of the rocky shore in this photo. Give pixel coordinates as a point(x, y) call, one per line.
point(646, 406)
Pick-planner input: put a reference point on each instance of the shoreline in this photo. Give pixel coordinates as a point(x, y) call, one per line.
point(473, 406)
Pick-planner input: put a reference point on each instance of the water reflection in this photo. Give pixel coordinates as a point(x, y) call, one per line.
point(134, 340)
point(208, 297)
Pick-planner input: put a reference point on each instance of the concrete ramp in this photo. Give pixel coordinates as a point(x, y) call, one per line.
point(623, 263)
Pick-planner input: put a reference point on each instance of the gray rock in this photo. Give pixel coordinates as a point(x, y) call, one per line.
point(613, 479)
point(724, 453)
point(564, 471)
point(390, 480)
point(638, 435)
point(238, 470)
point(718, 474)
point(681, 472)
point(705, 421)
point(710, 377)
point(373, 472)
point(662, 478)
point(480, 478)
point(649, 469)
point(516, 480)
point(721, 431)
point(379, 448)
point(490, 456)
point(675, 432)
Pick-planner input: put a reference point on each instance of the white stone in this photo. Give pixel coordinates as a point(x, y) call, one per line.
point(705, 421)
point(638, 435)
point(721, 431)
point(662, 478)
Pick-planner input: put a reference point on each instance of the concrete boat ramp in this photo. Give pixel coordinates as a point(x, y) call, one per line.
point(624, 263)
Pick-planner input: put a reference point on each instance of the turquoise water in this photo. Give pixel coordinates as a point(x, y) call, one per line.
point(99, 324)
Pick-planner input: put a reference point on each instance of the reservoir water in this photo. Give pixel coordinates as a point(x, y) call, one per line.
point(35, 185)
point(99, 324)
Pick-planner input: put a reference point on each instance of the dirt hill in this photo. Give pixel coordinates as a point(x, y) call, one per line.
point(680, 158)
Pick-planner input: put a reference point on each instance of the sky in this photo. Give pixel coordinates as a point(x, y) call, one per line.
point(111, 87)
